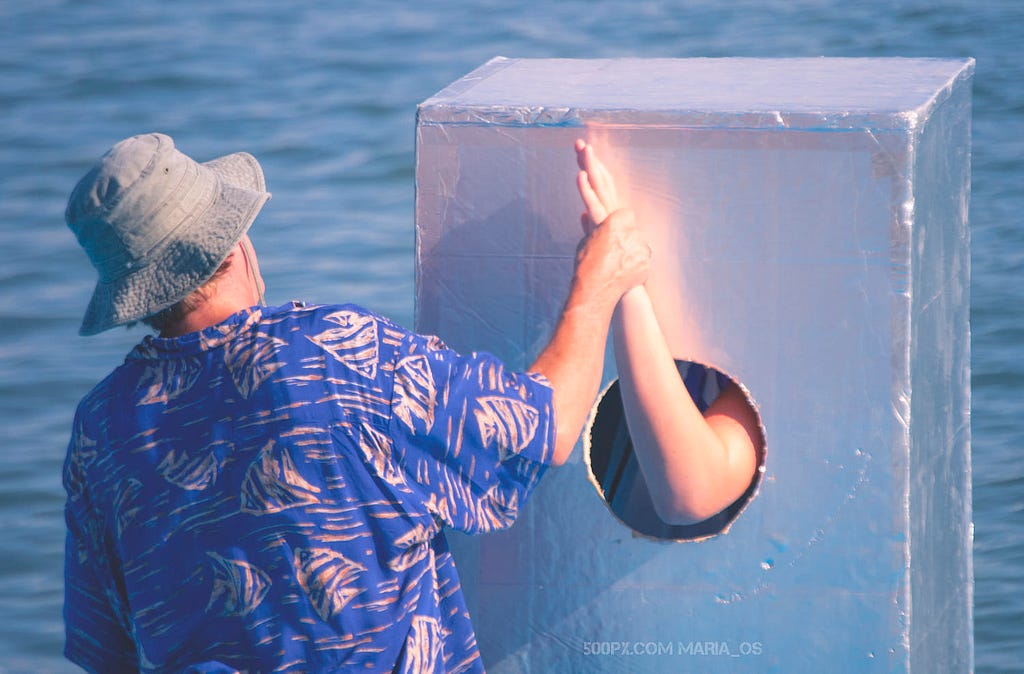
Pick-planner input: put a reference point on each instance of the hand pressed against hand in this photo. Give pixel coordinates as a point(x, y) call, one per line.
point(613, 253)
point(611, 259)
point(596, 185)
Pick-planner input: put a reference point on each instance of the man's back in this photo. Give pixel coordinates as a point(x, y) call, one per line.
point(268, 494)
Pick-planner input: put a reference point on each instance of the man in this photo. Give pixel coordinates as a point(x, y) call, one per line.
point(263, 489)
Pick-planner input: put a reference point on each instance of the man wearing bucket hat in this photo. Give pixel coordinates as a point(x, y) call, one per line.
point(263, 489)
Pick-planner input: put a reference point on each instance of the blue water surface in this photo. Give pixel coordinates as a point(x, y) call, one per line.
point(325, 94)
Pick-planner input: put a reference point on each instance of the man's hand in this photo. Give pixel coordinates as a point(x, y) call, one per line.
point(611, 259)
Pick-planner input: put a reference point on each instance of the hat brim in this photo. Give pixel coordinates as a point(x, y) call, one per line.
point(192, 257)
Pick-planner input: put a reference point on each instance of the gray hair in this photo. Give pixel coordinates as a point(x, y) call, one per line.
point(164, 318)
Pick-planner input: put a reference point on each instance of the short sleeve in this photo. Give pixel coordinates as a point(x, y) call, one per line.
point(472, 436)
point(95, 638)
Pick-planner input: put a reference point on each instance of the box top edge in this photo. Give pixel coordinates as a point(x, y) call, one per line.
point(905, 88)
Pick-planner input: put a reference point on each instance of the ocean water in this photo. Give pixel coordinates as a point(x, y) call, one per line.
point(324, 94)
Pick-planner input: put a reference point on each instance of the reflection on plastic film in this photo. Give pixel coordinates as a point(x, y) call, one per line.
point(644, 186)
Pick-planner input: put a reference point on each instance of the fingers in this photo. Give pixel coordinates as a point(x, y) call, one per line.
point(596, 208)
point(581, 154)
point(600, 179)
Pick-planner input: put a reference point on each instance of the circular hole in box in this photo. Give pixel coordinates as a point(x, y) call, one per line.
point(616, 474)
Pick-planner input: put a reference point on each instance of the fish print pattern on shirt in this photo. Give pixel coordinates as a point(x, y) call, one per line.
point(329, 578)
point(272, 483)
point(195, 471)
point(238, 586)
point(269, 494)
point(506, 423)
point(250, 363)
point(354, 344)
point(415, 393)
point(166, 380)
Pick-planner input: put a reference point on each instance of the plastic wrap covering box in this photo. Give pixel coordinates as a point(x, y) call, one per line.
point(809, 225)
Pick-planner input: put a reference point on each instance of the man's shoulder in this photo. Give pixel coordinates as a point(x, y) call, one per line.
point(101, 394)
point(335, 323)
point(94, 409)
point(338, 314)
point(350, 334)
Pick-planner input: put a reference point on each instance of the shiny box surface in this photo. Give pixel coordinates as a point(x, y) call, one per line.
point(809, 223)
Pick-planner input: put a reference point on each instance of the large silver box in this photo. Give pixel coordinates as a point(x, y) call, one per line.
point(809, 222)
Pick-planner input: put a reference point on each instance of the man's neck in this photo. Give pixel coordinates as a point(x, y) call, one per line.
point(209, 313)
point(237, 289)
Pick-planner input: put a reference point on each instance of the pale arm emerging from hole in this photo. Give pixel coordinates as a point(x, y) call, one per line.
point(695, 465)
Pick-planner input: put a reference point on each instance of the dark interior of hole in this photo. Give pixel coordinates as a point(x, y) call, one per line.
point(616, 470)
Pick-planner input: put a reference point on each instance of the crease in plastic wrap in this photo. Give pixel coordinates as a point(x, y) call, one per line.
point(809, 223)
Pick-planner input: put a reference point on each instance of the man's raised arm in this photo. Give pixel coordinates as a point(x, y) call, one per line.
point(611, 259)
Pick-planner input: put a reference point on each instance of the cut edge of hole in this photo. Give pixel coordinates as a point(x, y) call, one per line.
point(756, 483)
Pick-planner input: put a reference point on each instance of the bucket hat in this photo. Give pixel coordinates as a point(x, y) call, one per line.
point(156, 224)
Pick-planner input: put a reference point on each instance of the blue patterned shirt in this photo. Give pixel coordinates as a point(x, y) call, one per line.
point(268, 494)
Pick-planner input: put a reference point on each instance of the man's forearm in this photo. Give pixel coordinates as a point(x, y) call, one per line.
point(572, 362)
